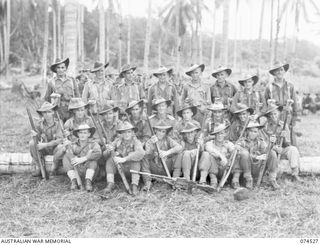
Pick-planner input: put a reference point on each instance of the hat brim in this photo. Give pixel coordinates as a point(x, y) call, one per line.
point(131, 68)
point(92, 131)
point(99, 68)
point(228, 70)
point(115, 109)
point(258, 126)
point(168, 128)
point(193, 108)
point(168, 102)
point(47, 109)
point(190, 130)
point(254, 78)
point(128, 110)
point(202, 66)
point(250, 110)
point(53, 67)
point(280, 108)
point(169, 71)
point(221, 129)
point(285, 67)
point(77, 107)
point(121, 130)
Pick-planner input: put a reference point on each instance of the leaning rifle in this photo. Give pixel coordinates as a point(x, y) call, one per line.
point(44, 173)
point(75, 168)
point(118, 165)
point(158, 150)
point(178, 182)
point(227, 172)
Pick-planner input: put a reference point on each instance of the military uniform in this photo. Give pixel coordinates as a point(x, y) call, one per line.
point(143, 132)
point(168, 120)
point(73, 123)
point(225, 92)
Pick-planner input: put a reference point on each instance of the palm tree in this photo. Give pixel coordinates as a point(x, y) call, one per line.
point(102, 33)
point(260, 33)
point(271, 36)
point(235, 42)
point(148, 39)
point(225, 31)
point(45, 42)
point(58, 29)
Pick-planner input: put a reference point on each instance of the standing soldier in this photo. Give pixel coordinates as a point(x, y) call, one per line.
point(163, 88)
point(126, 90)
point(98, 88)
point(138, 120)
point(64, 85)
point(283, 92)
point(49, 134)
point(222, 88)
point(249, 95)
point(196, 91)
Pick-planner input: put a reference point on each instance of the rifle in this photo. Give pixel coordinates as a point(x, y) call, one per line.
point(118, 165)
point(195, 167)
point(178, 182)
point(38, 155)
point(264, 163)
point(75, 168)
point(226, 172)
point(158, 150)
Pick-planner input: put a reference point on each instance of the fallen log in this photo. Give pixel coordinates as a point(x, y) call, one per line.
point(15, 163)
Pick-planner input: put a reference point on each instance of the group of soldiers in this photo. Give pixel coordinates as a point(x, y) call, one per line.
point(107, 126)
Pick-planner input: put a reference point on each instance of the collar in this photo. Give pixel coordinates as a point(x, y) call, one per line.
point(197, 85)
point(226, 84)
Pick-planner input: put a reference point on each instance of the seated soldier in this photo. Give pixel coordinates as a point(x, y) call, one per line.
point(286, 150)
point(168, 150)
point(216, 155)
point(109, 122)
point(138, 120)
point(49, 136)
point(125, 149)
point(257, 148)
point(186, 159)
point(83, 154)
point(218, 116)
point(161, 105)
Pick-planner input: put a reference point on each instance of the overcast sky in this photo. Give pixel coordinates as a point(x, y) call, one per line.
point(248, 22)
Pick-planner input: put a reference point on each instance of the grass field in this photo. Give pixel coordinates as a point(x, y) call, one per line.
point(34, 208)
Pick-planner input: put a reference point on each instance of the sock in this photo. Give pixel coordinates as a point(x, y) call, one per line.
point(89, 174)
point(71, 174)
point(135, 179)
point(110, 178)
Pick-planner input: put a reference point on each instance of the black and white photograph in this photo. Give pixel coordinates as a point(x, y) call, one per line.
point(159, 119)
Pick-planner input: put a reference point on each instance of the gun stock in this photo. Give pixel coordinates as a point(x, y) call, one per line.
point(44, 173)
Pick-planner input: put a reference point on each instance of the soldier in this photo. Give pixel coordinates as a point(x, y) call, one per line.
point(64, 85)
point(84, 153)
point(126, 90)
point(98, 88)
point(222, 88)
point(308, 103)
point(257, 148)
point(249, 95)
point(196, 91)
point(168, 148)
point(49, 134)
point(186, 159)
point(286, 150)
point(125, 149)
point(163, 88)
point(241, 113)
point(218, 116)
point(81, 79)
point(138, 120)
point(283, 93)
point(317, 101)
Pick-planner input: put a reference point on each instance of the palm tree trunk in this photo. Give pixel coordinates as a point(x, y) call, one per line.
point(102, 33)
point(70, 35)
point(235, 41)
point(129, 40)
point(54, 34)
point(271, 36)
point(58, 29)
point(177, 35)
point(200, 48)
point(197, 31)
point(7, 38)
point(148, 39)
point(193, 44)
point(225, 31)
point(213, 44)
point(120, 38)
point(159, 52)
point(277, 32)
point(260, 34)
point(285, 41)
point(45, 42)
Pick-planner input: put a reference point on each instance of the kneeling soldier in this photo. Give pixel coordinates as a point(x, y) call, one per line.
point(257, 148)
point(125, 149)
point(49, 133)
point(187, 157)
point(168, 148)
point(83, 153)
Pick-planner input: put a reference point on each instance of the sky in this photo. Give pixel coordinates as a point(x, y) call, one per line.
point(246, 26)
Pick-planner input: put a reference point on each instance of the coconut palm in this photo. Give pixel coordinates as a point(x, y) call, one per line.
point(45, 42)
point(148, 38)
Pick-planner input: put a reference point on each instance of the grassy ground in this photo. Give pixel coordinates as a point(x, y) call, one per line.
point(34, 208)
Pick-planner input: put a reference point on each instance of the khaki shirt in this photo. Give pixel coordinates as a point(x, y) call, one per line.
point(66, 87)
point(143, 132)
point(198, 93)
point(271, 127)
point(72, 123)
point(91, 150)
point(167, 143)
point(251, 99)
point(226, 149)
point(255, 147)
point(235, 130)
point(98, 91)
point(228, 90)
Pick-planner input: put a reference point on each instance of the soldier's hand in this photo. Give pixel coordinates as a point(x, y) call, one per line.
point(154, 139)
point(224, 161)
point(283, 133)
point(109, 147)
point(262, 157)
point(119, 159)
point(66, 132)
point(200, 141)
point(278, 149)
point(92, 102)
point(77, 160)
point(273, 139)
point(66, 142)
point(33, 133)
point(41, 146)
point(237, 147)
point(163, 154)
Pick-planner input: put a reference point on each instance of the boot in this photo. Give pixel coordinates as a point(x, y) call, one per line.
point(274, 185)
point(89, 187)
point(109, 188)
point(235, 181)
point(147, 186)
point(135, 190)
point(213, 181)
point(36, 173)
point(249, 183)
point(74, 185)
